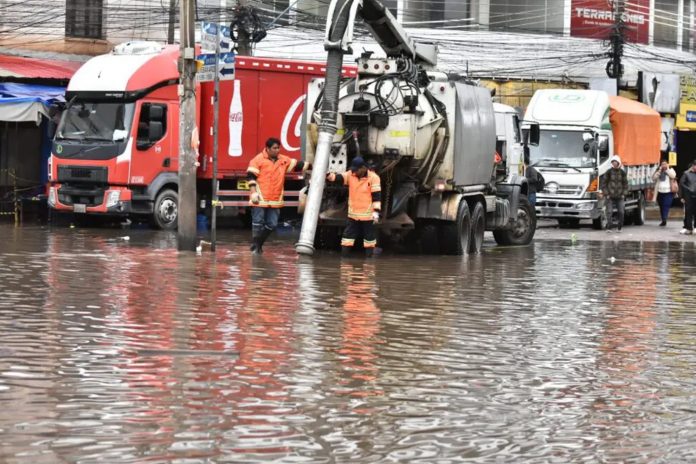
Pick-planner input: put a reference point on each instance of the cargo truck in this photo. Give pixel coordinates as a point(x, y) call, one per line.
point(580, 130)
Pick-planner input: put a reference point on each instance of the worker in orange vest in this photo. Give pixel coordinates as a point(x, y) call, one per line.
point(364, 205)
point(266, 174)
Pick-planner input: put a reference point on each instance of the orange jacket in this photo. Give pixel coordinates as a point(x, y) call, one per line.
point(269, 178)
point(363, 195)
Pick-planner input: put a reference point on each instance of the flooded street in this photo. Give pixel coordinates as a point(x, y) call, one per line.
point(118, 350)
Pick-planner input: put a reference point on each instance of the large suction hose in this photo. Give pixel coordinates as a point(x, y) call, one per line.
point(327, 128)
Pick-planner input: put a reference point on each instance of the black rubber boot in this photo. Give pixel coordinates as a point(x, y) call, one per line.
point(262, 238)
point(256, 245)
point(369, 252)
point(345, 250)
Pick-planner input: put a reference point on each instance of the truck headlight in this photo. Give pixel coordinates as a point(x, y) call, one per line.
point(52, 196)
point(585, 206)
point(112, 198)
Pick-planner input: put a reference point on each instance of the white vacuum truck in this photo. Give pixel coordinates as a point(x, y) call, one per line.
point(430, 137)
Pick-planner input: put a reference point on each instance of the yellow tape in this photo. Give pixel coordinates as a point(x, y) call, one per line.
point(399, 133)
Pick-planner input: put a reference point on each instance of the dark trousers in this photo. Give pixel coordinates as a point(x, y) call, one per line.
point(665, 202)
point(356, 229)
point(618, 205)
point(690, 210)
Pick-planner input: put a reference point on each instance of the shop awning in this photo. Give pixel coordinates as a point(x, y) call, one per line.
point(36, 68)
point(27, 102)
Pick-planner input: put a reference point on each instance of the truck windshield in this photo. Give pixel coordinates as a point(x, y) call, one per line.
point(558, 148)
point(96, 121)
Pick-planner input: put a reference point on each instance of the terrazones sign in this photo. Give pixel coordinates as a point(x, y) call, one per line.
point(596, 18)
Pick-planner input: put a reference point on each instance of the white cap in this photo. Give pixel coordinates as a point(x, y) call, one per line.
point(616, 158)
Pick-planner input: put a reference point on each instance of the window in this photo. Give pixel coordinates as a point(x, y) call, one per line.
point(83, 19)
point(152, 125)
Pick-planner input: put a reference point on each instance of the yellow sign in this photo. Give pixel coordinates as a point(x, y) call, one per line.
point(686, 119)
point(399, 133)
point(672, 158)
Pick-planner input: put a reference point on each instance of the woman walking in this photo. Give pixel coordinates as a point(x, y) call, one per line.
point(665, 179)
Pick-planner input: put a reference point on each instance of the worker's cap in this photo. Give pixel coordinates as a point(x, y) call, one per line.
point(616, 158)
point(357, 163)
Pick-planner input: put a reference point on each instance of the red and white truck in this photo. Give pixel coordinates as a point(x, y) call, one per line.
point(116, 148)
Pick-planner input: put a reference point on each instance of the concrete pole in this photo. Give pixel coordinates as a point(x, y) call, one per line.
point(680, 25)
point(186, 236)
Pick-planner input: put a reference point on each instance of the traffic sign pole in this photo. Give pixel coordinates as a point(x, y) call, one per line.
point(216, 122)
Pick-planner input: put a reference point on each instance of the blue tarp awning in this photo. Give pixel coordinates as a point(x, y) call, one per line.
point(27, 102)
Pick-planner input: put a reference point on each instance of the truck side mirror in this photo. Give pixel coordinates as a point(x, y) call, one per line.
point(534, 134)
point(603, 143)
point(156, 113)
point(155, 132)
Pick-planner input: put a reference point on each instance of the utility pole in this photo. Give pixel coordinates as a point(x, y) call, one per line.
point(243, 39)
point(614, 66)
point(187, 122)
point(172, 21)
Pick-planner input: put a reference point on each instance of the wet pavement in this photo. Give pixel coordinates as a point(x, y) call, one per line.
point(124, 350)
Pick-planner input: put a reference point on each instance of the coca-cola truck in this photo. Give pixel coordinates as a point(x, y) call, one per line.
point(116, 148)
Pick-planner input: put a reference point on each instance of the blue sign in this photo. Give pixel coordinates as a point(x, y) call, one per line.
point(224, 68)
point(211, 34)
point(690, 116)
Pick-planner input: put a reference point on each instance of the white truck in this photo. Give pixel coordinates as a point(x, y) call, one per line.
point(431, 138)
point(580, 130)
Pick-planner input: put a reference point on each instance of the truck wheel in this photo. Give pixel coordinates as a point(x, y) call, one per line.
point(455, 236)
point(478, 227)
point(602, 221)
point(166, 210)
point(522, 230)
point(327, 238)
point(639, 213)
point(428, 239)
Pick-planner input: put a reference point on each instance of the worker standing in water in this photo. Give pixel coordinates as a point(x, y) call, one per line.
point(266, 174)
point(364, 205)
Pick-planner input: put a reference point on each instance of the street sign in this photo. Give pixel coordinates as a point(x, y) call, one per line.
point(211, 33)
point(225, 67)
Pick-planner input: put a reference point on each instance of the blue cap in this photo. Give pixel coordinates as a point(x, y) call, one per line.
point(357, 163)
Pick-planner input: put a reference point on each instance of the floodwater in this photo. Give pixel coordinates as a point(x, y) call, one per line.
point(118, 350)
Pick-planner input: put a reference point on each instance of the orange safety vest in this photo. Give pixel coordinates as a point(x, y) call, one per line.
point(270, 178)
point(360, 189)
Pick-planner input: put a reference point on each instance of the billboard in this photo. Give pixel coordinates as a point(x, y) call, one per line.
point(595, 19)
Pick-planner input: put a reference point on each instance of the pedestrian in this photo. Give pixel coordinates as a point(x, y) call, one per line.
point(364, 205)
point(687, 192)
point(663, 190)
point(266, 174)
point(535, 181)
point(614, 187)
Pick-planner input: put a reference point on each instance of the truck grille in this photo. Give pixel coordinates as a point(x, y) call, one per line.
point(566, 190)
point(91, 174)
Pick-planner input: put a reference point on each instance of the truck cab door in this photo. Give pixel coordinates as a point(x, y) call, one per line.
point(154, 140)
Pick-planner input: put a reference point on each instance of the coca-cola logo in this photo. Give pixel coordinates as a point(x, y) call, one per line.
point(236, 117)
point(293, 113)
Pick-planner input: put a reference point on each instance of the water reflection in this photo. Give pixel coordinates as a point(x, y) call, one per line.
point(550, 353)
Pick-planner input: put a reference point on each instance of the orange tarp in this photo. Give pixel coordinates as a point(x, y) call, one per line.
point(637, 130)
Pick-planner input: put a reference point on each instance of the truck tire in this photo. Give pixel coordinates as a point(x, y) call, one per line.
point(639, 213)
point(522, 231)
point(478, 228)
point(455, 235)
point(602, 221)
point(428, 239)
point(166, 210)
point(327, 238)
